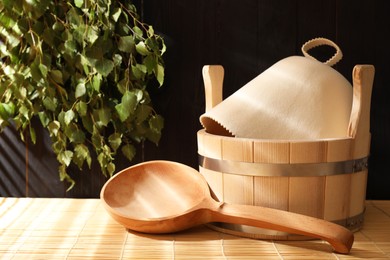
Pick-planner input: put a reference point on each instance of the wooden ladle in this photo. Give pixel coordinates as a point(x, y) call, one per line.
point(165, 196)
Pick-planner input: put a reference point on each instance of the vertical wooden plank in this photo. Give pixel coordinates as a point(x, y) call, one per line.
point(308, 152)
point(339, 150)
point(237, 149)
point(369, 45)
point(238, 55)
point(359, 38)
point(277, 31)
point(337, 197)
point(12, 164)
point(200, 141)
point(212, 146)
point(43, 178)
point(272, 192)
point(358, 193)
point(306, 195)
point(238, 189)
point(316, 19)
point(271, 152)
point(338, 187)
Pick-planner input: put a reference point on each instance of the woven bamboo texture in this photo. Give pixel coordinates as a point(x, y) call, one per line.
point(81, 229)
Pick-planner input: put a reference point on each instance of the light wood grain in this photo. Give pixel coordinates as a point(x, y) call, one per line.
point(238, 189)
point(153, 197)
point(25, 233)
point(211, 145)
point(237, 149)
point(337, 197)
point(359, 125)
point(339, 150)
point(213, 83)
point(271, 152)
point(358, 192)
point(306, 195)
point(272, 192)
point(308, 152)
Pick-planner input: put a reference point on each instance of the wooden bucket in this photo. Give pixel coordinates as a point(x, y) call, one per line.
point(320, 178)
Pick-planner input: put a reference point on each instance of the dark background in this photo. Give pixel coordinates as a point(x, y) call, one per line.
point(246, 37)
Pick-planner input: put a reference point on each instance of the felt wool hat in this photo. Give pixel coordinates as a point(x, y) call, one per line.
point(298, 97)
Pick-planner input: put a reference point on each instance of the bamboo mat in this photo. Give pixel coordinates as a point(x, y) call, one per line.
point(81, 229)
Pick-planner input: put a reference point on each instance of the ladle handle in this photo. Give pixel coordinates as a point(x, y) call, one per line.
point(339, 237)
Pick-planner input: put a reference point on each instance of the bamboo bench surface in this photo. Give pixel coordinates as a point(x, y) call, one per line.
point(47, 228)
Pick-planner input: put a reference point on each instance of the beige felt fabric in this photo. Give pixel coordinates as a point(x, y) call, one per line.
point(296, 98)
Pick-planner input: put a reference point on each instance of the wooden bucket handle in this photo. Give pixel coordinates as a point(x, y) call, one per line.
point(359, 123)
point(213, 84)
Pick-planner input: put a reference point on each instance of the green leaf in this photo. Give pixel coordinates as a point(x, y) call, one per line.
point(126, 44)
point(150, 63)
point(116, 13)
point(81, 108)
point(50, 103)
point(110, 168)
point(23, 110)
point(45, 120)
point(80, 90)
point(74, 18)
point(117, 60)
point(69, 116)
point(65, 176)
point(97, 139)
point(33, 135)
point(79, 3)
point(35, 72)
point(129, 151)
point(104, 116)
point(81, 154)
point(43, 69)
point(156, 123)
point(92, 34)
point(7, 110)
point(104, 66)
point(138, 32)
point(70, 47)
point(128, 105)
point(96, 82)
point(77, 136)
point(137, 72)
point(159, 72)
point(65, 157)
point(142, 49)
point(115, 140)
point(150, 31)
point(48, 36)
point(142, 113)
point(58, 26)
point(53, 128)
point(56, 75)
point(87, 123)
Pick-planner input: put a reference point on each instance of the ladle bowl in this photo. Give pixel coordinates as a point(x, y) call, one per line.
point(165, 197)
